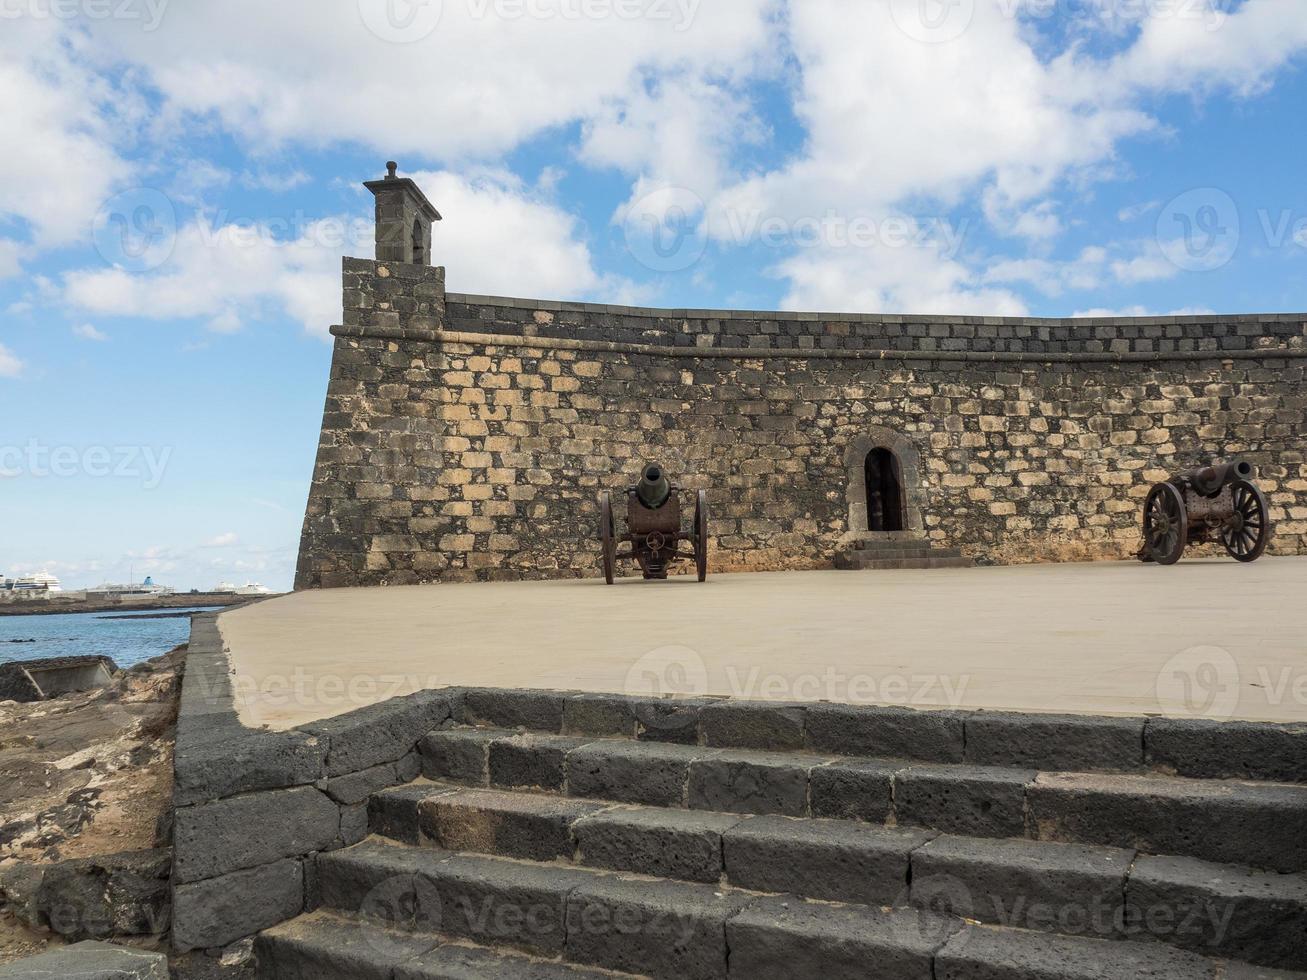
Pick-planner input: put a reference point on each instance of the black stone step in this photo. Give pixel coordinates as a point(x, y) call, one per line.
point(1262, 825)
point(1082, 890)
point(327, 946)
point(665, 929)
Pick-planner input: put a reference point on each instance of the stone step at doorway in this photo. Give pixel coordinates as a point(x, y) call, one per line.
point(898, 550)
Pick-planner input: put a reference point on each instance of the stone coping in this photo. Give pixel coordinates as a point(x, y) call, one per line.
point(423, 334)
point(255, 807)
point(555, 306)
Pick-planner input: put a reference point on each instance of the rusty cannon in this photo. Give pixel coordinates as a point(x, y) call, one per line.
point(654, 531)
point(1214, 503)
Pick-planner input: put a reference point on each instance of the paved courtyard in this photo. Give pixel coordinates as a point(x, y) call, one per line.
point(1206, 638)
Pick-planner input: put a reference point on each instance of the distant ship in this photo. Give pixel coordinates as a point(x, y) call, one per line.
point(249, 588)
point(146, 588)
point(40, 582)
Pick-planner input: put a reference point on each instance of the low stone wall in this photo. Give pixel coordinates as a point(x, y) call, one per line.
point(254, 808)
point(468, 437)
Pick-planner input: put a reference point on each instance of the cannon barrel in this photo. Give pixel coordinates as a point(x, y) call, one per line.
point(1211, 480)
point(654, 487)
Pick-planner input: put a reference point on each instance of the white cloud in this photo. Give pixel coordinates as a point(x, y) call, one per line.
point(88, 331)
point(58, 127)
point(499, 236)
point(225, 540)
point(476, 86)
point(10, 365)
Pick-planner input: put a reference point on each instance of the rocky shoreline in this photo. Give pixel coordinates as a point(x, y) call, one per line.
point(58, 607)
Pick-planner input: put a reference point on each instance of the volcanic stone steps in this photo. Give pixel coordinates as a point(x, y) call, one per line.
point(328, 946)
point(1258, 824)
point(1099, 892)
point(899, 551)
point(664, 929)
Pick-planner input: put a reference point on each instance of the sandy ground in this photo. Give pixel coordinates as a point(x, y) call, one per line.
point(1206, 638)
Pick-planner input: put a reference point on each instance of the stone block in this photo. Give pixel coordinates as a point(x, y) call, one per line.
point(1260, 825)
point(379, 882)
point(736, 781)
point(531, 761)
point(599, 715)
point(854, 790)
point(836, 860)
point(470, 963)
point(1056, 743)
point(752, 725)
point(536, 828)
point(895, 733)
point(1227, 749)
point(659, 929)
point(1220, 910)
point(980, 801)
point(212, 839)
point(631, 772)
point(327, 947)
point(89, 961)
point(1073, 889)
point(206, 770)
point(358, 786)
point(673, 720)
point(497, 902)
point(664, 843)
point(460, 754)
point(380, 733)
point(991, 953)
point(536, 711)
point(218, 911)
point(781, 939)
point(393, 813)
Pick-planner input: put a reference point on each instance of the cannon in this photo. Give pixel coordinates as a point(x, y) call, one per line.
point(653, 527)
point(1218, 502)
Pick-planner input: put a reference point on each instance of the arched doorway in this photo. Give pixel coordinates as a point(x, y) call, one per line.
point(884, 486)
point(419, 249)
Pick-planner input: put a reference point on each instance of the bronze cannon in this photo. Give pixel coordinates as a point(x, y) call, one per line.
point(653, 528)
point(1214, 503)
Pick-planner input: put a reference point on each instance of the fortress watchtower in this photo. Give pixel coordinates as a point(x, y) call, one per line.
point(404, 217)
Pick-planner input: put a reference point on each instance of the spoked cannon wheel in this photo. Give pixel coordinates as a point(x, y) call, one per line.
point(1246, 534)
point(701, 534)
point(1166, 524)
point(607, 535)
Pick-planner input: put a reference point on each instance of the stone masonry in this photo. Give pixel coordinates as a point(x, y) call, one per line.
point(467, 437)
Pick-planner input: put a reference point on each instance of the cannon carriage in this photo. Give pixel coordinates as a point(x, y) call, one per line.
point(654, 531)
point(1214, 503)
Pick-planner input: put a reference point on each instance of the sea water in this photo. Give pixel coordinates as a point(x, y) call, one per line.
point(126, 641)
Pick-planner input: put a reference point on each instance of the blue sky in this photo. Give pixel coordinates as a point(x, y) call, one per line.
point(161, 405)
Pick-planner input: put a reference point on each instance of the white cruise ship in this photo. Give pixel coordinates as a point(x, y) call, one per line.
point(40, 582)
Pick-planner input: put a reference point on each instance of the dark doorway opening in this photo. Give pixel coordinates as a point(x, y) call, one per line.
point(884, 492)
point(419, 251)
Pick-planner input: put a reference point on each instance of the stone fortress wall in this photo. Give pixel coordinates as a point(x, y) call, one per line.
point(467, 437)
